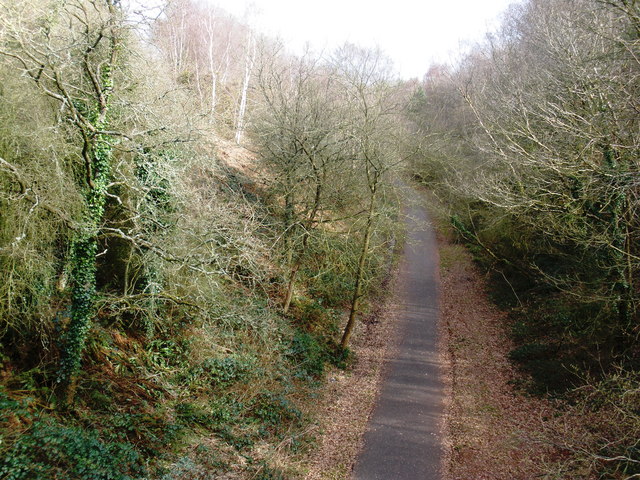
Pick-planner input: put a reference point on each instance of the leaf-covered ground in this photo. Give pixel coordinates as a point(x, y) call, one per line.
point(489, 427)
point(350, 395)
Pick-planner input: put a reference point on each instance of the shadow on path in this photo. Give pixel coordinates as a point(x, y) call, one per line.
point(402, 441)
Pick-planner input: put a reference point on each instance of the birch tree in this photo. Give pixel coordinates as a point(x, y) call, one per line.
point(210, 52)
point(249, 61)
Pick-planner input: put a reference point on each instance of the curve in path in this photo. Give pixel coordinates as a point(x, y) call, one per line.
point(403, 437)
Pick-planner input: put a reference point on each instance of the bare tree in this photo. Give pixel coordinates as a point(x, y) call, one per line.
point(298, 128)
point(566, 148)
point(210, 53)
point(249, 60)
point(374, 104)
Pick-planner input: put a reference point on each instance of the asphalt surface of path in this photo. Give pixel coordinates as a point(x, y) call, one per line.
point(402, 441)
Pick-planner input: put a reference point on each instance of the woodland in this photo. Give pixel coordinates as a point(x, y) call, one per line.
point(193, 219)
point(532, 141)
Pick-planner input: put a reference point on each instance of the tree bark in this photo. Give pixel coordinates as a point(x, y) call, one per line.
point(249, 61)
point(357, 293)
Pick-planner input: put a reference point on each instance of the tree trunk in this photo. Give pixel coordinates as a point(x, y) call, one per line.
point(97, 153)
point(357, 293)
point(210, 23)
point(249, 61)
point(303, 249)
point(289, 295)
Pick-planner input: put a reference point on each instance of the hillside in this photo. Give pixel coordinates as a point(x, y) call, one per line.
point(179, 249)
point(197, 226)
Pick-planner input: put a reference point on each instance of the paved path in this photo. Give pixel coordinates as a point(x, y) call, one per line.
point(402, 441)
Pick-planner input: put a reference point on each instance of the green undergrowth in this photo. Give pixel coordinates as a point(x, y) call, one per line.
point(220, 384)
point(210, 394)
point(559, 334)
point(566, 350)
point(214, 395)
point(569, 351)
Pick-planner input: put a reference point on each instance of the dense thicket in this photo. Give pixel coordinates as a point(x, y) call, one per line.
point(534, 139)
point(145, 256)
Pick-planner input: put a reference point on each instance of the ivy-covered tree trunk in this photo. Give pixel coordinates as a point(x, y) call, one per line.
point(84, 249)
point(97, 155)
point(70, 52)
point(620, 241)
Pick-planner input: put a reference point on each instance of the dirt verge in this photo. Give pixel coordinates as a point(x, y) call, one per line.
point(350, 395)
point(489, 426)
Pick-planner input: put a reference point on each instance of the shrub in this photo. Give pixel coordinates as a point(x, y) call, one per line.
point(275, 410)
point(190, 414)
point(222, 372)
point(49, 450)
point(309, 354)
point(149, 432)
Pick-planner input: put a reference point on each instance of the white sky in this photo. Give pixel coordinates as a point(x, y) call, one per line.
point(414, 33)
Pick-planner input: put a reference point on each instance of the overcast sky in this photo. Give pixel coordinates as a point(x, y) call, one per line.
point(414, 33)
